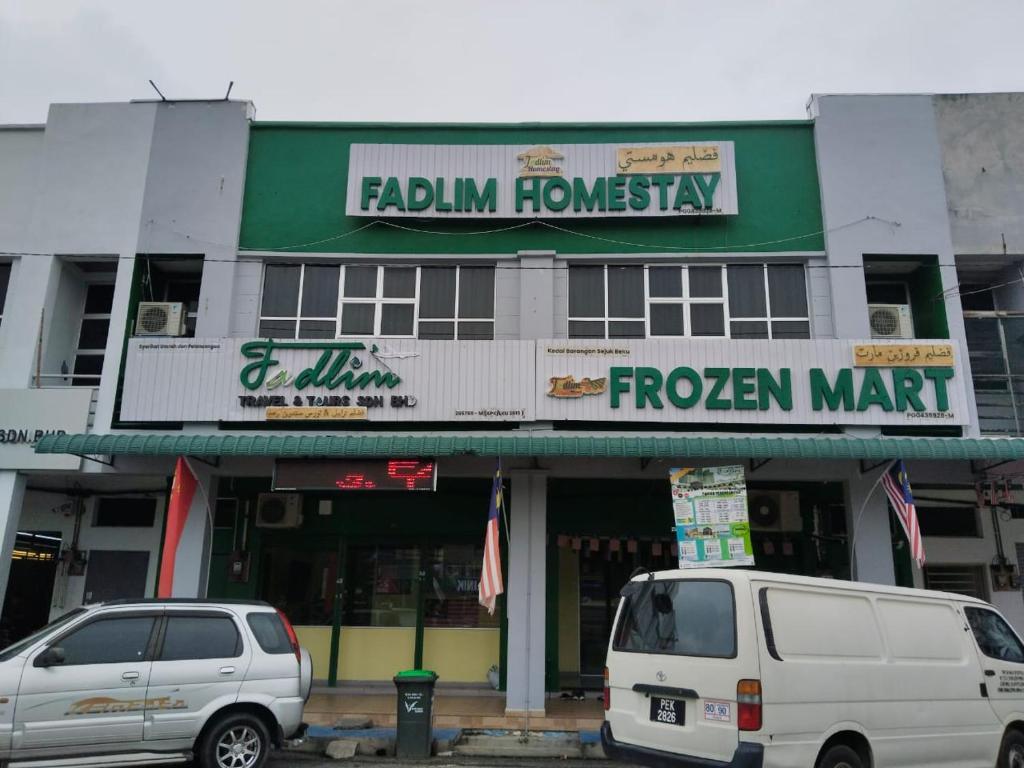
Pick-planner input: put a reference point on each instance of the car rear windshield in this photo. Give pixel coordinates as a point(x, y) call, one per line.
point(270, 632)
point(687, 618)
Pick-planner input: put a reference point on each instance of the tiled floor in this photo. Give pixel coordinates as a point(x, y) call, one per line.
point(456, 711)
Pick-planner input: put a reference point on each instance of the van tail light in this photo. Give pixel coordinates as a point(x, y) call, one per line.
point(607, 692)
point(748, 699)
point(292, 637)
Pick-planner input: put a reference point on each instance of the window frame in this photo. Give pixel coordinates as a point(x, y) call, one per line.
point(9, 266)
point(968, 609)
point(155, 633)
point(90, 379)
point(378, 300)
point(158, 650)
point(686, 301)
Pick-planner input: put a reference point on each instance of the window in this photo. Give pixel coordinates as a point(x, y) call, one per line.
point(380, 586)
point(300, 582)
point(948, 521)
point(452, 590)
point(995, 346)
point(108, 641)
point(994, 636)
point(5, 279)
point(685, 618)
point(122, 512)
point(200, 637)
point(746, 301)
point(270, 632)
point(324, 301)
point(961, 579)
point(92, 335)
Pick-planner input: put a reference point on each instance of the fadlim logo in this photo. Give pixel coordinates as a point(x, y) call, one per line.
point(567, 386)
point(540, 161)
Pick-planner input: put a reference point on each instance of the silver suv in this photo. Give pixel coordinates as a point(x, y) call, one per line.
point(154, 681)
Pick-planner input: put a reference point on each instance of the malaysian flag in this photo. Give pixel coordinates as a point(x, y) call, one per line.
point(897, 488)
point(490, 575)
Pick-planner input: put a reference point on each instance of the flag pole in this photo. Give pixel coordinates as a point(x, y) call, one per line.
point(860, 514)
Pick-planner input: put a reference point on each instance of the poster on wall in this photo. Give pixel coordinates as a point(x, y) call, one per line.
point(710, 509)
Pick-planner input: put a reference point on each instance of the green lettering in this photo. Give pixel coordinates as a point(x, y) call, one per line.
point(441, 204)
point(639, 197)
point(459, 188)
point(391, 196)
point(907, 383)
point(939, 377)
point(873, 391)
point(686, 194)
point(648, 384)
point(663, 181)
point(618, 387)
point(742, 389)
point(714, 401)
point(532, 194)
point(707, 186)
point(476, 200)
point(821, 392)
point(370, 191)
point(672, 387)
point(617, 194)
point(596, 196)
point(313, 375)
point(557, 182)
point(253, 374)
point(418, 184)
point(781, 391)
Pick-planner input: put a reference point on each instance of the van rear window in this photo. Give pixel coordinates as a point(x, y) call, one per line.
point(687, 618)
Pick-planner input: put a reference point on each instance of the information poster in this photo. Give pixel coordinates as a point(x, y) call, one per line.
point(710, 509)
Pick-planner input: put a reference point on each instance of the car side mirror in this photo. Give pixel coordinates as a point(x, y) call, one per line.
point(51, 657)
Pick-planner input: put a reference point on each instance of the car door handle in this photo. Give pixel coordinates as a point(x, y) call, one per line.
point(227, 670)
point(990, 673)
point(130, 676)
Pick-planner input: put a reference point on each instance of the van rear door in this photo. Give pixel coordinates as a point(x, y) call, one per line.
point(678, 650)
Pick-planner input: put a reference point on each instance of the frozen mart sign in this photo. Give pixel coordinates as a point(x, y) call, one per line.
point(528, 182)
point(698, 381)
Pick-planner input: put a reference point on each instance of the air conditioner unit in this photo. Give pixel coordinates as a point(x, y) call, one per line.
point(777, 511)
point(890, 321)
point(279, 510)
point(160, 318)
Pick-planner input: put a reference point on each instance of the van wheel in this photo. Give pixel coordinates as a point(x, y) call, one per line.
point(1011, 753)
point(840, 756)
point(236, 741)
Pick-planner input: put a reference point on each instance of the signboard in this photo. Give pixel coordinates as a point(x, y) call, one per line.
point(901, 355)
point(710, 510)
point(716, 381)
point(26, 415)
point(346, 475)
point(520, 181)
point(320, 382)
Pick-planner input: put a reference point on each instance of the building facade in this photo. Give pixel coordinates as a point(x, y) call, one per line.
point(344, 327)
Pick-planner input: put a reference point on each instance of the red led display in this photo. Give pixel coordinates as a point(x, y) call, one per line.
point(342, 475)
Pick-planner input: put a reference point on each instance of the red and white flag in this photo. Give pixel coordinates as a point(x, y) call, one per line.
point(183, 490)
point(897, 488)
point(491, 584)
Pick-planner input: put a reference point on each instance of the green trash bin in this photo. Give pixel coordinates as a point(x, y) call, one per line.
point(415, 735)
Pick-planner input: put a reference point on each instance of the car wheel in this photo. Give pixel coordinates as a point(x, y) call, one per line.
point(840, 756)
point(1011, 753)
point(235, 741)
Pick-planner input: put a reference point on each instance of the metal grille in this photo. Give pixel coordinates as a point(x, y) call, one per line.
point(962, 579)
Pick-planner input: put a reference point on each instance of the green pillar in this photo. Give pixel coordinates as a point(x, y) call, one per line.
point(339, 594)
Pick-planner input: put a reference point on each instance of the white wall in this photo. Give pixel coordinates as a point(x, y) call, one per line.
point(44, 511)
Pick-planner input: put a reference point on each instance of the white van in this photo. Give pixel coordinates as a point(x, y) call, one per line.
point(745, 669)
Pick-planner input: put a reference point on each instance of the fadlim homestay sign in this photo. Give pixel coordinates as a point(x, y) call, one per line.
point(556, 181)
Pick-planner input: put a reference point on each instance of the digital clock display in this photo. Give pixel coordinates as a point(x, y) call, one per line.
point(359, 475)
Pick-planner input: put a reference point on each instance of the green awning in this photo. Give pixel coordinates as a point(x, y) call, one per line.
point(548, 444)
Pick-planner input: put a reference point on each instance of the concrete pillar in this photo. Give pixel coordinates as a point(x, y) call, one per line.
point(527, 560)
point(192, 563)
point(12, 494)
point(33, 287)
point(868, 524)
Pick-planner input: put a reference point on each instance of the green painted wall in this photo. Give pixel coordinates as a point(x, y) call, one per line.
point(296, 176)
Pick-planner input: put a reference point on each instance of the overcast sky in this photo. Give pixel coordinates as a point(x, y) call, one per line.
point(503, 60)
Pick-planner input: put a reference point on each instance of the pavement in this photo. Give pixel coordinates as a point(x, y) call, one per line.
point(288, 759)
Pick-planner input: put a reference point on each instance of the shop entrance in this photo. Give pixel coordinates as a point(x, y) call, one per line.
point(30, 584)
point(601, 531)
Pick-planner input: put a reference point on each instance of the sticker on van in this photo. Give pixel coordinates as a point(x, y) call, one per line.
point(720, 711)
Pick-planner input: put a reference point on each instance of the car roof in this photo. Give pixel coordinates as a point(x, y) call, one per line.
point(736, 575)
point(158, 601)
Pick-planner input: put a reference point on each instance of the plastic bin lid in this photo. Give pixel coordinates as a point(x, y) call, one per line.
point(413, 673)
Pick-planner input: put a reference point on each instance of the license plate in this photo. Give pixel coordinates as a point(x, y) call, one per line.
point(668, 711)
